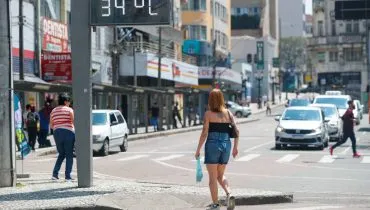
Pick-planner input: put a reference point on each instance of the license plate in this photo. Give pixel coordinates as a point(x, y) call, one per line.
point(297, 136)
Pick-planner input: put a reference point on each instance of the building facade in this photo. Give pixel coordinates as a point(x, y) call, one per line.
point(338, 52)
point(292, 17)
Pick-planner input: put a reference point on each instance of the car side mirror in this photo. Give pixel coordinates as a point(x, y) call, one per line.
point(362, 106)
point(327, 120)
point(277, 118)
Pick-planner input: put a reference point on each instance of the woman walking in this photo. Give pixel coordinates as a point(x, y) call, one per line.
point(62, 118)
point(217, 129)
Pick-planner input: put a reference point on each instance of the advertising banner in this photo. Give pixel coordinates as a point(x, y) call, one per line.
point(221, 73)
point(55, 36)
point(56, 66)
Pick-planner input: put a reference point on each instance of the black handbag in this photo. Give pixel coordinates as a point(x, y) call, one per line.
point(233, 130)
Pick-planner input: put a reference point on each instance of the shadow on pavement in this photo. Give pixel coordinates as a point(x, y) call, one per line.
point(60, 193)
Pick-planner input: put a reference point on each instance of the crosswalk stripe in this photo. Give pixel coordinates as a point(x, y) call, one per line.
point(96, 158)
point(170, 157)
point(133, 157)
point(248, 157)
point(44, 160)
point(327, 159)
point(287, 158)
point(366, 160)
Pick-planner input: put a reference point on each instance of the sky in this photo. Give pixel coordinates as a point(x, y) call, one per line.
point(309, 7)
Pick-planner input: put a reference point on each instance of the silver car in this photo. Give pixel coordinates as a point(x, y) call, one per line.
point(335, 124)
point(237, 110)
point(358, 111)
point(301, 126)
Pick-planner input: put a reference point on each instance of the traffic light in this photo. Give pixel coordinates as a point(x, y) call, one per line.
point(249, 58)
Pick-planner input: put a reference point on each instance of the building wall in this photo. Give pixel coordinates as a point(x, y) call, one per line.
point(292, 17)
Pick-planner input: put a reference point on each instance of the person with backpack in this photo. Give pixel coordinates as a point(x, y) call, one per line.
point(32, 122)
point(44, 115)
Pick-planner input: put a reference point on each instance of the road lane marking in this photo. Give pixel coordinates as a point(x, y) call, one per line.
point(248, 157)
point(135, 157)
point(327, 159)
point(349, 147)
point(170, 157)
point(288, 158)
point(366, 160)
point(258, 146)
point(97, 158)
point(313, 208)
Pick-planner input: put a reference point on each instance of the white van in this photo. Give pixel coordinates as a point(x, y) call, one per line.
point(341, 101)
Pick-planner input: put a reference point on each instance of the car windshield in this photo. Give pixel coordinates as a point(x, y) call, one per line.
point(329, 111)
point(299, 102)
point(305, 115)
point(99, 119)
point(341, 103)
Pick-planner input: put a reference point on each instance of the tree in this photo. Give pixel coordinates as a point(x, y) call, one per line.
point(293, 53)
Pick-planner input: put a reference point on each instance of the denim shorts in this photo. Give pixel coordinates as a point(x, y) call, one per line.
point(217, 148)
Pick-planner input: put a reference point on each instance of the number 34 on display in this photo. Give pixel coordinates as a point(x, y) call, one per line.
point(120, 4)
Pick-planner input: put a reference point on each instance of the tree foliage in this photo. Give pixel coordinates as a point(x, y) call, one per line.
point(293, 53)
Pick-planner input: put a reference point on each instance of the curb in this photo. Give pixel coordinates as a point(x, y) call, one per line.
point(52, 150)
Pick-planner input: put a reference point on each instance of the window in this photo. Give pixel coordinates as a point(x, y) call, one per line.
point(195, 5)
point(98, 39)
point(352, 54)
point(348, 27)
point(197, 32)
point(217, 10)
point(212, 8)
point(333, 56)
point(112, 118)
point(120, 118)
point(321, 57)
point(356, 27)
point(320, 26)
point(333, 28)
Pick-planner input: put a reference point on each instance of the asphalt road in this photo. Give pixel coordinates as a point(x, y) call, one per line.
point(316, 180)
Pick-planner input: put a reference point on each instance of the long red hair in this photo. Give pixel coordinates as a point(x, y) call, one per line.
point(216, 101)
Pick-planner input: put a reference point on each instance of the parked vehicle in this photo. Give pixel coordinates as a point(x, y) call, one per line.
point(335, 124)
point(299, 102)
point(237, 110)
point(109, 129)
point(302, 126)
point(341, 101)
point(359, 108)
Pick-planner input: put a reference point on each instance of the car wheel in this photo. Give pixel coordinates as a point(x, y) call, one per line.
point(326, 144)
point(124, 145)
point(239, 114)
point(278, 146)
point(105, 148)
point(321, 147)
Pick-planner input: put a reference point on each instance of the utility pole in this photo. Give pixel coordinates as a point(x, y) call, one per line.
point(7, 147)
point(214, 41)
point(159, 82)
point(134, 60)
point(114, 53)
point(21, 47)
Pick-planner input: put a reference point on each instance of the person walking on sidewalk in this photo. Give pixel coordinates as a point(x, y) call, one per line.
point(268, 108)
point(348, 130)
point(32, 123)
point(154, 117)
point(216, 135)
point(44, 114)
point(61, 121)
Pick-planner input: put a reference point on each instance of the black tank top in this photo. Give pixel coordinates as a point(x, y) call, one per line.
point(219, 127)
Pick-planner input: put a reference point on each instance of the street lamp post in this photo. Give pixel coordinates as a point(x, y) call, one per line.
point(115, 50)
point(273, 88)
point(259, 76)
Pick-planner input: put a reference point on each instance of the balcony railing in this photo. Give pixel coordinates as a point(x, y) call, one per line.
point(166, 51)
point(332, 40)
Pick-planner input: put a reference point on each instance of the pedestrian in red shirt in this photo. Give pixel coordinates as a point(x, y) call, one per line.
point(348, 130)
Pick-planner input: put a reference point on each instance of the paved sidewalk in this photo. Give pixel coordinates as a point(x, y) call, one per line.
point(39, 192)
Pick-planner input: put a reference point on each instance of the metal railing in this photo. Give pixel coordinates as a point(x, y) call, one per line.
point(167, 51)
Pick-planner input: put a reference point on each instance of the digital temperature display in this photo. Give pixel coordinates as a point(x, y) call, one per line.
point(129, 12)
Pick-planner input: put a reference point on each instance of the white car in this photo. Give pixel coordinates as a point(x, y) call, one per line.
point(301, 126)
point(109, 129)
point(357, 112)
point(341, 101)
point(335, 124)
